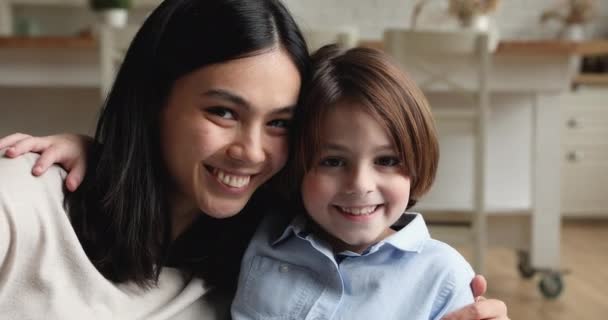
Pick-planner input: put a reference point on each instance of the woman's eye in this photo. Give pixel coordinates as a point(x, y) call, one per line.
point(280, 123)
point(332, 162)
point(221, 112)
point(388, 161)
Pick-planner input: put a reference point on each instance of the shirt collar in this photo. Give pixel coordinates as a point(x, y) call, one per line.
point(410, 238)
point(297, 227)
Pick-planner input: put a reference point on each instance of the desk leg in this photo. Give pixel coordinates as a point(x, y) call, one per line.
point(546, 220)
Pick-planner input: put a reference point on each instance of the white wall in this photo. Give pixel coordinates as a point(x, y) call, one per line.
point(44, 111)
point(515, 18)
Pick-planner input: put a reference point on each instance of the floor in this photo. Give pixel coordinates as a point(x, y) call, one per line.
point(585, 296)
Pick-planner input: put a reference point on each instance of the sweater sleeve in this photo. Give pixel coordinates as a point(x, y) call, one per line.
point(31, 211)
point(46, 274)
point(455, 290)
point(6, 230)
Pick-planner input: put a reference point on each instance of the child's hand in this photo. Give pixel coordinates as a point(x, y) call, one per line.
point(482, 309)
point(68, 150)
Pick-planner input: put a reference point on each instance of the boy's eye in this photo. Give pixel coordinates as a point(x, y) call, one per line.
point(222, 112)
point(280, 123)
point(332, 162)
point(388, 161)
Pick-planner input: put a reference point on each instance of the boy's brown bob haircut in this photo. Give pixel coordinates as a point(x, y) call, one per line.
point(372, 80)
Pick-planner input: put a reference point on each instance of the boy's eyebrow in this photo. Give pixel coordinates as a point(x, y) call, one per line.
point(333, 146)
point(387, 147)
point(338, 147)
point(240, 101)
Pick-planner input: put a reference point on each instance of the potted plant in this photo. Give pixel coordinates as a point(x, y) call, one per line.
point(112, 12)
point(573, 16)
point(471, 14)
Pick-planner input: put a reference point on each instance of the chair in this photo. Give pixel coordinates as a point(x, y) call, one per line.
point(316, 38)
point(415, 51)
point(113, 45)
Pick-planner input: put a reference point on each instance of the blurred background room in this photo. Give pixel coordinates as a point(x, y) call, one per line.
point(519, 89)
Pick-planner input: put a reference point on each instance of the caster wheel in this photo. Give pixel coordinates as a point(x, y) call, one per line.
point(523, 265)
point(551, 285)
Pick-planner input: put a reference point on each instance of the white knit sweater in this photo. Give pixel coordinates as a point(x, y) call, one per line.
point(45, 273)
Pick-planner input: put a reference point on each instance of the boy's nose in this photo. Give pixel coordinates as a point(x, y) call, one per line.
point(361, 182)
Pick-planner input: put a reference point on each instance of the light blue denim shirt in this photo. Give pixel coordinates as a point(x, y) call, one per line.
point(289, 273)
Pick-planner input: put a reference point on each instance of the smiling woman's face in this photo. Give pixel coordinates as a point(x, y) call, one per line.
point(224, 131)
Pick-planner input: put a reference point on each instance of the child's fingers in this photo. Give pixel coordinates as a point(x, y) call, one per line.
point(30, 144)
point(479, 285)
point(75, 176)
point(483, 309)
point(11, 139)
point(46, 159)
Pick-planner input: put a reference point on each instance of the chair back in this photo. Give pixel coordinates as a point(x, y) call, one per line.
point(316, 38)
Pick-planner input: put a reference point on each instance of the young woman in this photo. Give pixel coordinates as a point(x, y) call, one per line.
point(195, 123)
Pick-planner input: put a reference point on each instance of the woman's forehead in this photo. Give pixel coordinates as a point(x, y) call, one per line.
point(269, 79)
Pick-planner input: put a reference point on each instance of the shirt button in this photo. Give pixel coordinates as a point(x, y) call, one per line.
point(283, 268)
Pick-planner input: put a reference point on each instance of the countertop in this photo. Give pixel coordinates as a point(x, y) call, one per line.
point(542, 47)
point(505, 47)
point(596, 47)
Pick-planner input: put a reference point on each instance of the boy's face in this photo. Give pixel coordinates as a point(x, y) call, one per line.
point(357, 187)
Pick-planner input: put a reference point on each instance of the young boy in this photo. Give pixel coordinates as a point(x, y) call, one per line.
point(364, 148)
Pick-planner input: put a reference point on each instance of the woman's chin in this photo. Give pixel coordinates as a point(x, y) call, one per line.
point(222, 211)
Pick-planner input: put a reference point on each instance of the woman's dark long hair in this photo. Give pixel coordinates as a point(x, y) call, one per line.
point(121, 212)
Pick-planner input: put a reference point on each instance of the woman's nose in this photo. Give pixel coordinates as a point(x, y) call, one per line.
point(247, 148)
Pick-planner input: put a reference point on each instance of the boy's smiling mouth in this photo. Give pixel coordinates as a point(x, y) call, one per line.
point(358, 210)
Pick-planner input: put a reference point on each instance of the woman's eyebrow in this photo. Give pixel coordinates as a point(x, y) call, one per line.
point(228, 96)
point(284, 110)
point(240, 101)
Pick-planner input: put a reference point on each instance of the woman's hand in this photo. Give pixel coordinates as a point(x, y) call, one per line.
point(68, 150)
point(482, 309)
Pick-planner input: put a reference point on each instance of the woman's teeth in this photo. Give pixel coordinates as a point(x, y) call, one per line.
point(232, 180)
point(358, 211)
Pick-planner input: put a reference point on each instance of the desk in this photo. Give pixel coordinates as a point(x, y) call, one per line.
point(527, 81)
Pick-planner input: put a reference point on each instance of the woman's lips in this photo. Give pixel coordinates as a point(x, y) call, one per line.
point(230, 179)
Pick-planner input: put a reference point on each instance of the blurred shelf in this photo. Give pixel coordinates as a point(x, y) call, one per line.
point(536, 47)
point(76, 42)
point(600, 79)
point(541, 47)
point(593, 48)
point(75, 3)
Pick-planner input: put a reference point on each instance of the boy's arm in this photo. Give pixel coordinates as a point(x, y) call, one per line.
point(67, 150)
point(488, 309)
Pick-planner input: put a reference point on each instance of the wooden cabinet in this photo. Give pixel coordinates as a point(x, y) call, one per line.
point(584, 161)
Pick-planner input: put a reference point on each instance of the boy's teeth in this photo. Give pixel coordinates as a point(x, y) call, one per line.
point(359, 211)
point(232, 180)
